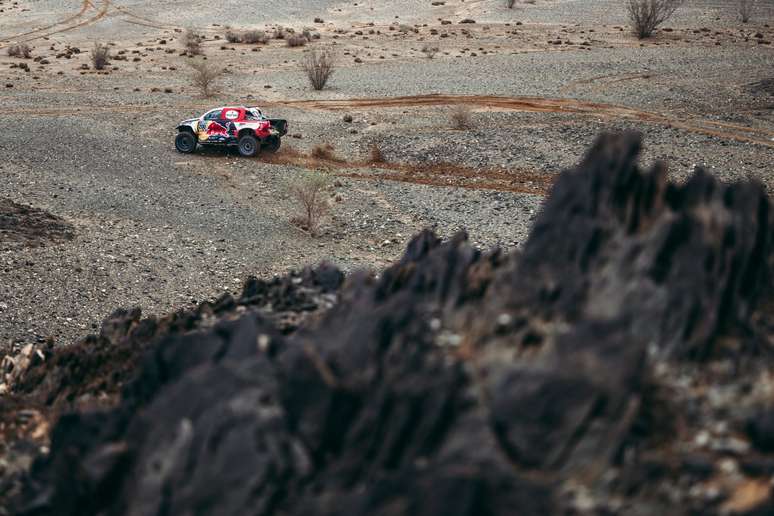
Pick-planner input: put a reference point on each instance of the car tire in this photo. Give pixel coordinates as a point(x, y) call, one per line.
point(185, 142)
point(273, 144)
point(248, 146)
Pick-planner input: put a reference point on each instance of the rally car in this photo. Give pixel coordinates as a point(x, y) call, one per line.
point(245, 127)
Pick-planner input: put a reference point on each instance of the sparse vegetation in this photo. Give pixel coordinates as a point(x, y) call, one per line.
point(309, 190)
point(430, 50)
point(205, 76)
point(646, 15)
point(746, 8)
point(233, 37)
point(510, 3)
point(100, 56)
point(319, 66)
point(279, 33)
point(192, 42)
point(296, 41)
point(21, 50)
point(461, 118)
point(255, 36)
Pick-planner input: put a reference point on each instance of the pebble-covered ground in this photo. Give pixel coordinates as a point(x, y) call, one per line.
point(161, 230)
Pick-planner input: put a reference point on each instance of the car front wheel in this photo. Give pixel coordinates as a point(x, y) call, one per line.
point(185, 143)
point(248, 146)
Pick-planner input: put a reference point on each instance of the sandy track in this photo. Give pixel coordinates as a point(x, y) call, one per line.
point(106, 7)
point(552, 105)
point(46, 32)
point(141, 20)
point(84, 7)
point(534, 182)
point(722, 130)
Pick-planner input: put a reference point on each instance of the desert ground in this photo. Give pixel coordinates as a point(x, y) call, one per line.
point(99, 211)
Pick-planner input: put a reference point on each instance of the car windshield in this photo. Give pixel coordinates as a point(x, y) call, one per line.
point(253, 114)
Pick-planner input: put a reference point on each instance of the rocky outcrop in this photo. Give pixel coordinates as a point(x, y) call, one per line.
point(576, 375)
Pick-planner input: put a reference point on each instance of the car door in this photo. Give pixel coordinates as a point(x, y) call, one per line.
point(209, 128)
point(229, 118)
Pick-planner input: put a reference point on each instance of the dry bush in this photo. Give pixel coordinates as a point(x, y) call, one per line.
point(430, 50)
point(205, 76)
point(233, 37)
point(646, 15)
point(21, 50)
point(192, 42)
point(461, 118)
point(324, 152)
point(375, 155)
point(296, 41)
point(746, 8)
point(319, 67)
point(509, 3)
point(255, 36)
point(309, 190)
point(100, 56)
point(279, 33)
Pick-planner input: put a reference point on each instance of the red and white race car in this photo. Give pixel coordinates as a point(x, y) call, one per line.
point(245, 127)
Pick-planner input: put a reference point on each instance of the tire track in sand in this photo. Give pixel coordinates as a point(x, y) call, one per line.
point(549, 105)
point(105, 7)
point(725, 131)
point(84, 7)
point(141, 20)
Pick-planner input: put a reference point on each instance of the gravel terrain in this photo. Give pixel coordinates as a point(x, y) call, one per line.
point(160, 230)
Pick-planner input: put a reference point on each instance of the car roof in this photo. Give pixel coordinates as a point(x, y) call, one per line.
point(232, 107)
point(244, 108)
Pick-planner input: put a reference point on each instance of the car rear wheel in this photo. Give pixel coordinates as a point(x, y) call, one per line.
point(248, 146)
point(273, 144)
point(185, 142)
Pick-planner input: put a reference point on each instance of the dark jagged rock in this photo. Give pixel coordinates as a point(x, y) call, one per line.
point(457, 382)
point(48, 381)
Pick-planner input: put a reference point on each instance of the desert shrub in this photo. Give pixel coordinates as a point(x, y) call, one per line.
point(375, 154)
point(509, 3)
point(746, 8)
point(192, 42)
point(279, 33)
point(204, 77)
point(255, 36)
point(309, 191)
point(461, 118)
point(324, 152)
point(319, 67)
point(100, 56)
point(430, 50)
point(296, 41)
point(21, 50)
point(233, 37)
point(646, 15)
